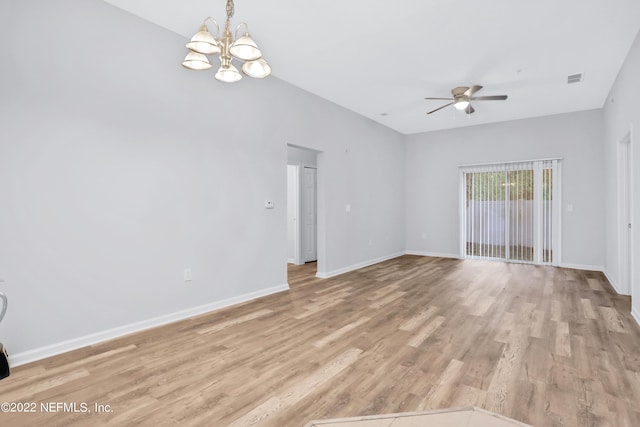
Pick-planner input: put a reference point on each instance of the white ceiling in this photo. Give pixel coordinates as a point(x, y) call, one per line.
point(377, 56)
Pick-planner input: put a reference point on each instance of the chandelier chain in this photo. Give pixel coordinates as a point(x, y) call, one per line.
point(230, 9)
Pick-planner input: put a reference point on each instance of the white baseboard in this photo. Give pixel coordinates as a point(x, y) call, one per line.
point(353, 267)
point(636, 315)
point(291, 261)
point(613, 283)
point(583, 267)
point(98, 337)
point(433, 254)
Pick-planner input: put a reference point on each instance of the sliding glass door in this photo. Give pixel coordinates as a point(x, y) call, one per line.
point(509, 213)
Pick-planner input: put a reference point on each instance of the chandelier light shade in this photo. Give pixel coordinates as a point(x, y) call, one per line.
point(228, 48)
point(203, 42)
point(245, 48)
point(196, 61)
point(257, 69)
point(228, 74)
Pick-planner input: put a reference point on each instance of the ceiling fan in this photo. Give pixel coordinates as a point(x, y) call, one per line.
point(462, 97)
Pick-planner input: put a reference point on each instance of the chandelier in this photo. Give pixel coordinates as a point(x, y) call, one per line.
point(227, 47)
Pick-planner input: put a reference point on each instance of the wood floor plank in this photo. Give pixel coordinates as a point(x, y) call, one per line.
point(563, 339)
point(498, 396)
point(418, 319)
point(313, 308)
point(234, 321)
point(436, 395)
point(587, 309)
point(262, 412)
point(386, 300)
point(465, 395)
point(612, 319)
point(425, 331)
point(537, 324)
point(483, 305)
point(544, 345)
point(340, 332)
point(505, 327)
point(556, 310)
point(594, 284)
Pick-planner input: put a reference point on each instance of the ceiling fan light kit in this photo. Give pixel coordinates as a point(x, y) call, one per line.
point(461, 104)
point(227, 47)
point(462, 97)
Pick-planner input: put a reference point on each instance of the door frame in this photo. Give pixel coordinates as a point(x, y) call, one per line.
point(318, 165)
point(625, 215)
point(294, 197)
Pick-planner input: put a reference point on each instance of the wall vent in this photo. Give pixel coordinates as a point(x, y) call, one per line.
point(574, 78)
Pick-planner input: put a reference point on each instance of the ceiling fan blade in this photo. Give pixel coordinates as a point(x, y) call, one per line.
point(459, 90)
point(440, 108)
point(473, 89)
point(469, 109)
point(443, 99)
point(490, 98)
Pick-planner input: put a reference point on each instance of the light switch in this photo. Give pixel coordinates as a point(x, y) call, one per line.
point(347, 208)
point(569, 207)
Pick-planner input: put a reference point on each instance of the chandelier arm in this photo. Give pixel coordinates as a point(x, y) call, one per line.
point(209, 18)
point(240, 25)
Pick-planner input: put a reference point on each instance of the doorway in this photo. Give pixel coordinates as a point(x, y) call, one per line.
point(625, 214)
point(302, 206)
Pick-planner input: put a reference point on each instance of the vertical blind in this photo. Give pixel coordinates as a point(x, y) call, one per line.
point(508, 211)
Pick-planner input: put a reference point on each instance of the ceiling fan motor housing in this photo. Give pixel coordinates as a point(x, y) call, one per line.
point(460, 98)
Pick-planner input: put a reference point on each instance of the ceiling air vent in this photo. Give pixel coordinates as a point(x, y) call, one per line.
point(574, 78)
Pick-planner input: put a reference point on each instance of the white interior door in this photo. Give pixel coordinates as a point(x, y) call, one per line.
point(293, 192)
point(309, 214)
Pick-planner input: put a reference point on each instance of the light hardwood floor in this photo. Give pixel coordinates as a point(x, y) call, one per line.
point(543, 345)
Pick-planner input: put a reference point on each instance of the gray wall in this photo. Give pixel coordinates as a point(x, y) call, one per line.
point(621, 116)
point(432, 173)
point(119, 168)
